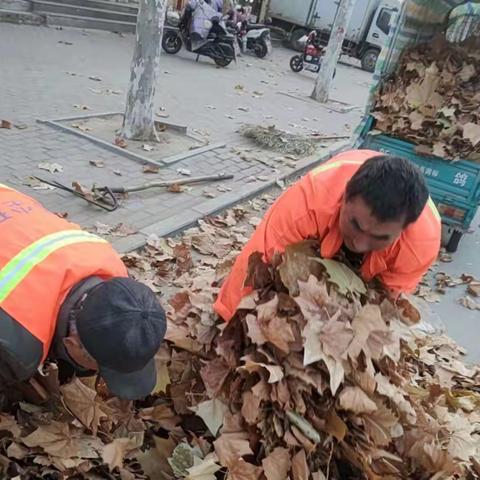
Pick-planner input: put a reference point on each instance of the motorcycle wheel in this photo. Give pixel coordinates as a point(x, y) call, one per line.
point(296, 63)
point(223, 61)
point(261, 50)
point(171, 43)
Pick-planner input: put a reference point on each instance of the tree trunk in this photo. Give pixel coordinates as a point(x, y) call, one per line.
point(139, 121)
point(329, 61)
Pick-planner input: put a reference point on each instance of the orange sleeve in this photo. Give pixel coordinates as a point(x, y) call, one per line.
point(288, 221)
point(409, 268)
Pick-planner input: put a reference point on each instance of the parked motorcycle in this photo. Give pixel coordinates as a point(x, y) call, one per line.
point(254, 38)
point(311, 58)
point(218, 44)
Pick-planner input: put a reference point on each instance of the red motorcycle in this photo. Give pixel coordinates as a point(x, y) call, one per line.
point(311, 58)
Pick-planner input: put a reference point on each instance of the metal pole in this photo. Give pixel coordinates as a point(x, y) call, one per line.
point(329, 62)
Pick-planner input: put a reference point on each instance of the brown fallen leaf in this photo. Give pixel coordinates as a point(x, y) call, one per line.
point(470, 303)
point(5, 124)
point(86, 192)
point(277, 464)
point(9, 424)
point(97, 163)
point(474, 288)
point(175, 188)
point(83, 403)
point(114, 453)
point(61, 440)
point(121, 142)
point(300, 470)
point(356, 400)
point(148, 168)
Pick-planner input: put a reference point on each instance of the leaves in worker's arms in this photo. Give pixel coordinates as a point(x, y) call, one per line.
point(343, 277)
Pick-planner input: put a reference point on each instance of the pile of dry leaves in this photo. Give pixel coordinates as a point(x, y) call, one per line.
point(432, 99)
point(318, 377)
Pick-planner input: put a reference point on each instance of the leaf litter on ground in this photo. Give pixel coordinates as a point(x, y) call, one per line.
point(318, 376)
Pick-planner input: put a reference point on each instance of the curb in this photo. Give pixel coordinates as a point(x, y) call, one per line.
point(178, 223)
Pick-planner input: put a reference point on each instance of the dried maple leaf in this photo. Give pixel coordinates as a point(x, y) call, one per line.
point(277, 464)
point(469, 303)
point(203, 469)
point(242, 470)
point(474, 288)
point(121, 142)
point(343, 277)
point(336, 336)
point(230, 447)
point(50, 167)
point(163, 377)
point(83, 403)
point(297, 264)
point(61, 440)
point(275, 329)
point(161, 414)
point(86, 192)
point(9, 424)
point(369, 319)
point(275, 371)
point(151, 168)
point(300, 470)
point(354, 399)
point(114, 453)
point(471, 131)
point(250, 407)
point(154, 460)
point(212, 412)
point(97, 163)
point(214, 373)
point(254, 331)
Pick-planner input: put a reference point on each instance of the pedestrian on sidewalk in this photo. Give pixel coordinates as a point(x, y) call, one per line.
point(65, 295)
point(372, 209)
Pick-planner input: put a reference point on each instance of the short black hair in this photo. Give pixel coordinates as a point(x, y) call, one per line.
point(392, 187)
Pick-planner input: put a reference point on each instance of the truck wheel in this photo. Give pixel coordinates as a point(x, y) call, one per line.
point(369, 59)
point(452, 244)
point(295, 36)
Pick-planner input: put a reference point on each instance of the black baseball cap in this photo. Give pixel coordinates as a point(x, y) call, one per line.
point(121, 325)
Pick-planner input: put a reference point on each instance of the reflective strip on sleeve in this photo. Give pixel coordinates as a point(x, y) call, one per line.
point(329, 166)
point(434, 209)
point(12, 274)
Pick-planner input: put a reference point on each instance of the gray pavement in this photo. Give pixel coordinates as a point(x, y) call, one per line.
point(36, 81)
point(47, 79)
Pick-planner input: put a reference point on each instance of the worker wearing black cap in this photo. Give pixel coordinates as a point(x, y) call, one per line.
point(65, 295)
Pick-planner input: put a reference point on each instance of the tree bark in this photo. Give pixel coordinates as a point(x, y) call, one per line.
point(139, 120)
point(324, 80)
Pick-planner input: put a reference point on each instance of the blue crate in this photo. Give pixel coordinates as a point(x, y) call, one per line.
point(451, 184)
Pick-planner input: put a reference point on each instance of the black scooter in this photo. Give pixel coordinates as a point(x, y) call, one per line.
point(219, 45)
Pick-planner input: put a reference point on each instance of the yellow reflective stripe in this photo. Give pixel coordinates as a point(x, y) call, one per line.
point(21, 265)
point(329, 166)
point(434, 209)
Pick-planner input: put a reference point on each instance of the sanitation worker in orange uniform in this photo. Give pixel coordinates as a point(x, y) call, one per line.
point(372, 208)
point(65, 294)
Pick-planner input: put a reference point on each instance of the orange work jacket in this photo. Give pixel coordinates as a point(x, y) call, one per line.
point(41, 259)
point(310, 209)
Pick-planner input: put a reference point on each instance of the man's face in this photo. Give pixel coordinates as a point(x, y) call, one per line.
point(361, 231)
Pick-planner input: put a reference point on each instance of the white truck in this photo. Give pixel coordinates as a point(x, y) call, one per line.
point(367, 32)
